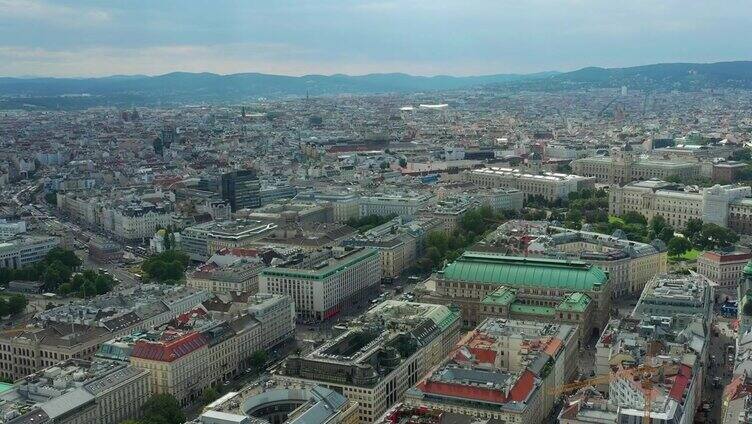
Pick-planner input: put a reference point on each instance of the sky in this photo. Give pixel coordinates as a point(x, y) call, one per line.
point(423, 37)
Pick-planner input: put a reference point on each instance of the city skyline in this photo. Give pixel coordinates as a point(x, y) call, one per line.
point(84, 39)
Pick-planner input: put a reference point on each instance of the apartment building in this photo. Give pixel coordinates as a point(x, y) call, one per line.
point(76, 330)
point(551, 186)
point(195, 351)
point(724, 268)
point(379, 356)
point(677, 345)
point(77, 392)
point(240, 275)
point(128, 215)
point(323, 283)
point(504, 370)
point(23, 250)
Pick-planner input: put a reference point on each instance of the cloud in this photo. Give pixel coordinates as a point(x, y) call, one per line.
point(51, 13)
point(294, 37)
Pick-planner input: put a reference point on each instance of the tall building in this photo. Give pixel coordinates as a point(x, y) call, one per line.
point(242, 189)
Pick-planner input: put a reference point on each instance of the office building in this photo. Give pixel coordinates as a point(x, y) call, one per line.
point(241, 188)
point(379, 356)
point(406, 204)
point(323, 283)
point(202, 241)
point(21, 250)
point(667, 295)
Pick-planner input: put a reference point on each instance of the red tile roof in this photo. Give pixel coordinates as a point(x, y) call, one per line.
point(168, 350)
point(523, 387)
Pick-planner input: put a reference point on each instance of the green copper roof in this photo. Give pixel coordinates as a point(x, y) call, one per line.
point(575, 302)
point(516, 271)
point(501, 296)
point(531, 309)
point(4, 387)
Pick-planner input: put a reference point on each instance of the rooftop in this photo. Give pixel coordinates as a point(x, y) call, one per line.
point(515, 271)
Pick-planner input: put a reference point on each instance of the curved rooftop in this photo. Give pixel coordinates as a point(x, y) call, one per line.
point(515, 271)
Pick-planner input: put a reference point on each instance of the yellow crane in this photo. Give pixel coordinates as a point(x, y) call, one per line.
point(644, 373)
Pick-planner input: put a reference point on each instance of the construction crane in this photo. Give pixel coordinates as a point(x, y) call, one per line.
point(644, 372)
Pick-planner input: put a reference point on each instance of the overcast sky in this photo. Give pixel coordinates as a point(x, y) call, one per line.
point(427, 37)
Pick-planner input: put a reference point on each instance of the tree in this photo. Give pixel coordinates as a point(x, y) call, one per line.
point(51, 198)
point(55, 275)
point(258, 359)
point(633, 217)
point(17, 303)
point(209, 395)
point(384, 165)
point(693, 227)
point(162, 409)
point(677, 246)
point(657, 224)
point(403, 163)
point(666, 234)
point(65, 256)
point(712, 236)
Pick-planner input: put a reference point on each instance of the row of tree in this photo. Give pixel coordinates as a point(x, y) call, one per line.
point(473, 225)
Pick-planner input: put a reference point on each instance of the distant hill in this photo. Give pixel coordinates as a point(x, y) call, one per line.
point(662, 76)
point(184, 87)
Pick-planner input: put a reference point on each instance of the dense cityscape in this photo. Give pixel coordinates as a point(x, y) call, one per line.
point(566, 247)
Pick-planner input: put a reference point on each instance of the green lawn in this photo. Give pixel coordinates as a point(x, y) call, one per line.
point(613, 219)
point(687, 256)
